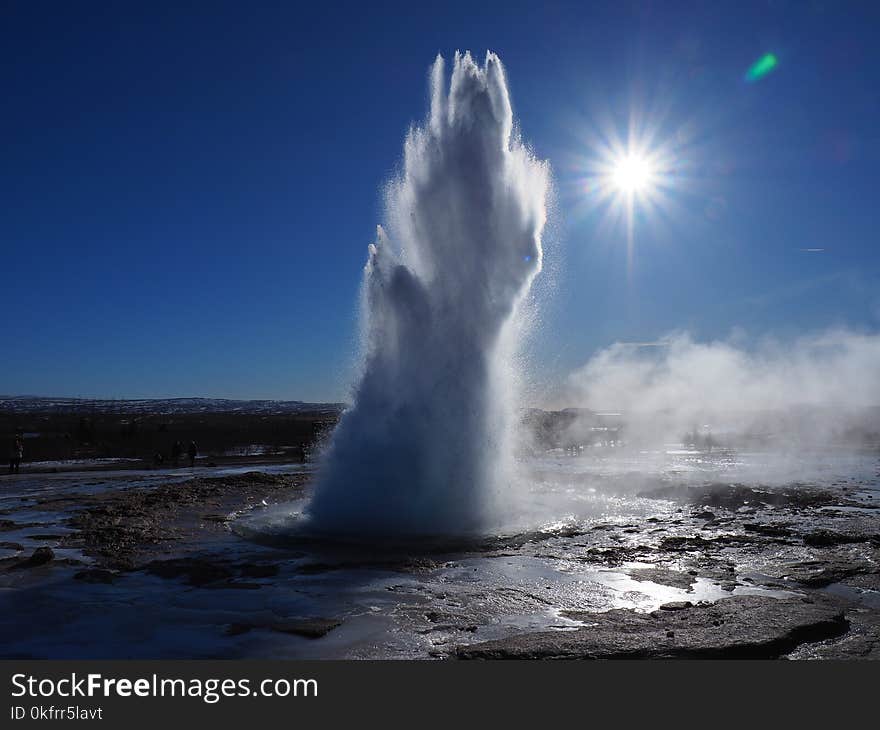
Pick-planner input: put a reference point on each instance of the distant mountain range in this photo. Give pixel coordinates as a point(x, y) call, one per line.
point(36, 404)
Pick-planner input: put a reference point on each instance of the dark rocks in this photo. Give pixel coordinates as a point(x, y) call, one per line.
point(673, 578)
point(830, 538)
point(742, 627)
point(96, 575)
point(613, 556)
point(818, 575)
point(197, 572)
point(40, 556)
point(208, 573)
point(448, 622)
point(10, 525)
point(771, 530)
point(258, 570)
point(317, 568)
point(862, 641)
point(309, 628)
point(675, 544)
point(698, 543)
point(676, 605)
point(233, 585)
point(734, 496)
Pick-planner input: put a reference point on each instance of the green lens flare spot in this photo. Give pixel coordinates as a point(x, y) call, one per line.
point(760, 68)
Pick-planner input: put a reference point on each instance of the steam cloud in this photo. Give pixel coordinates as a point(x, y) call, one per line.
point(817, 387)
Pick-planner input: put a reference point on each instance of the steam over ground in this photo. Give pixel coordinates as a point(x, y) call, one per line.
point(426, 449)
point(821, 387)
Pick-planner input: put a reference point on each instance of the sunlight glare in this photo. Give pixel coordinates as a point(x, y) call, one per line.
point(632, 173)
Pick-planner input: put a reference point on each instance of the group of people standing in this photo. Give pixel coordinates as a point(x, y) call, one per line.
point(16, 454)
point(177, 451)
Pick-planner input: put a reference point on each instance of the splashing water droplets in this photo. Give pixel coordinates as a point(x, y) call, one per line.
point(426, 448)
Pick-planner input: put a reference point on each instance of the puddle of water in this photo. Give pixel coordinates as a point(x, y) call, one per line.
point(862, 596)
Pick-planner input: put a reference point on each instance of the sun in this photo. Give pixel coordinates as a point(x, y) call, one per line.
point(633, 178)
point(632, 174)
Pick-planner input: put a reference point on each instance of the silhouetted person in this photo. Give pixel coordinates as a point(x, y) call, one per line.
point(158, 458)
point(176, 452)
point(192, 451)
point(17, 454)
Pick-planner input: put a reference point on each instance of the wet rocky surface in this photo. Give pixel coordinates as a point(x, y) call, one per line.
point(816, 550)
point(122, 529)
point(745, 627)
point(704, 569)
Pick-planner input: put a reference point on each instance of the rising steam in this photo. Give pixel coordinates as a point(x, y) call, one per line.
point(818, 387)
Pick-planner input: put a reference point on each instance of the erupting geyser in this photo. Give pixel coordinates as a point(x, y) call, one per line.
point(426, 448)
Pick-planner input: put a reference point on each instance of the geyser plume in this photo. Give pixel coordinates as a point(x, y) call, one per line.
point(425, 448)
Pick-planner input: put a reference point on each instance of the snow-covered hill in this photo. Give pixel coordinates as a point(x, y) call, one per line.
point(34, 404)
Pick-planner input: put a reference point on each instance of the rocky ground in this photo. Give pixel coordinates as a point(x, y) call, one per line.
point(759, 573)
point(822, 546)
point(137, 529)
point(743, 627)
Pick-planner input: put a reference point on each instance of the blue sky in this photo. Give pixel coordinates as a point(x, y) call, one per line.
point(188, 193)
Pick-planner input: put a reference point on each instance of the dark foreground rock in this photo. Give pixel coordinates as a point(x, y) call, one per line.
point(732, 496)
point(742, 627)
point(831, 566)
point(211, 571)
point(862, 641)
point(308, 628)
point(197, 572)
point(40, 556)
point(674, 578)
point(95, 575)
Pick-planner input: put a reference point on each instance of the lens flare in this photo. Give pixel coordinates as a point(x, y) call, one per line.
point(760, 68)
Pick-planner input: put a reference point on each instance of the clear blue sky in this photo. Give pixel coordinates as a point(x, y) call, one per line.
point(187, 194)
